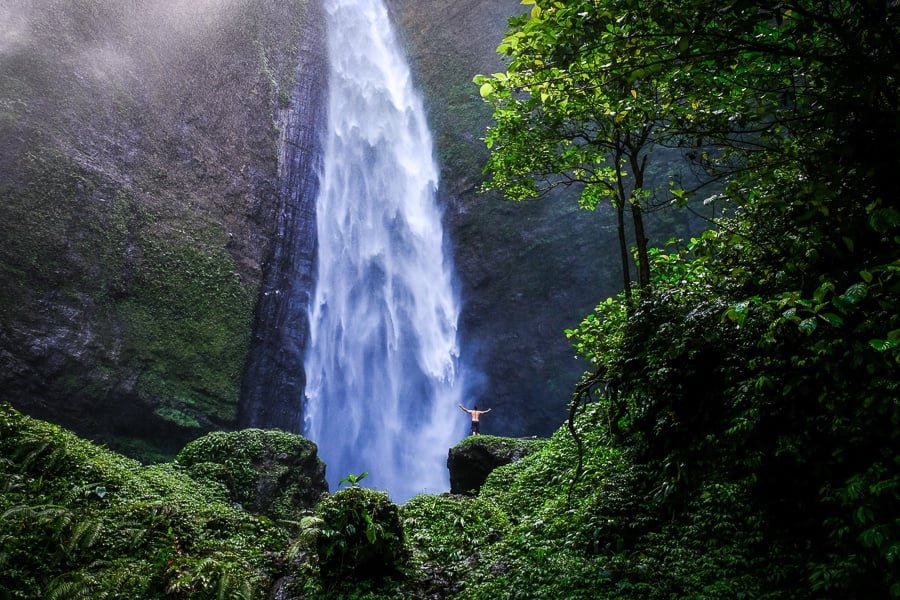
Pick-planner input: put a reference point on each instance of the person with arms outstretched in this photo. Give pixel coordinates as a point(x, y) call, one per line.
point(475, 414)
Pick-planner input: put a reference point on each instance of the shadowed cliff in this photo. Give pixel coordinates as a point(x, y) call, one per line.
point(139, 190)
point(274, 378)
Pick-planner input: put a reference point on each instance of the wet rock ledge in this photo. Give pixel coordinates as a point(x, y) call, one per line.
point(472, 460)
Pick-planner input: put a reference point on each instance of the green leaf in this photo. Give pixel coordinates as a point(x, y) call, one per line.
point(883, 219)
point(884, 345)
point(855, 293)
point(832, 319)
point(486, 89)
point(807, 326)
point(822, 291)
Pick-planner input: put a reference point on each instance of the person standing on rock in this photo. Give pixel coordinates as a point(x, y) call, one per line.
point(475, 413)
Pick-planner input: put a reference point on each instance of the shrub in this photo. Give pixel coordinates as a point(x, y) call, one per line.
point(361, 535)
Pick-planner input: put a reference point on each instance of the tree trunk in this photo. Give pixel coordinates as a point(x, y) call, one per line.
point(637, 216)
point(641, 240)
point(620, 225)
point(623, 248)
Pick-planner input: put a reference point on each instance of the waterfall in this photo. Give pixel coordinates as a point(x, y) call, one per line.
point(382, 363)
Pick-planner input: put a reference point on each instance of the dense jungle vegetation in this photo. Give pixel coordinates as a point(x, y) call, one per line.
point(736, 434)
point(750, 374)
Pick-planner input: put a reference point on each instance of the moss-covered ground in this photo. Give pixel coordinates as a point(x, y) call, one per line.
point(79, 521)
point(108, 525)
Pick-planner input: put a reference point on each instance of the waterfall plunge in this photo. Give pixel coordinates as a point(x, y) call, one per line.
point(382, 370)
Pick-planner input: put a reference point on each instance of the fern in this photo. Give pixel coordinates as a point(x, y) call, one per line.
point(222, 587)
point(310, 527)
point(4, 543)
point(11, 483)
point(83, 588)
point(43, 513)
point(83, 536)
point(226, 591)
point(37, 449)
point(245, 592)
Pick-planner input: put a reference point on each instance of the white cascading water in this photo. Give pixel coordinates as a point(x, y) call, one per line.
point(382, 363)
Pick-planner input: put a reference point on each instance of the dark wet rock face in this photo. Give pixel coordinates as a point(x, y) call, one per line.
point(274, 378)
point(472, 460)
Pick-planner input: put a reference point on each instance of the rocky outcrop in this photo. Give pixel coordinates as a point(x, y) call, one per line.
point(270, 473)
point(472, 460)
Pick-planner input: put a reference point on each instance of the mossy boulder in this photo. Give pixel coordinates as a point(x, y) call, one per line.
point(361, 536)
point(472, 460)
point(272, 473)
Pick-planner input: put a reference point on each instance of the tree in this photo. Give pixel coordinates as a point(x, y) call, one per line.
point(592, 87)
point(768, 347)
point(556, 124)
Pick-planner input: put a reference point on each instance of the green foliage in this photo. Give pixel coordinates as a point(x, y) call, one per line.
point(754, 388)
point(361, 536)
point(503, 446)
point(353, 479)
point(274, 473)
point(609, 539)
point(78, 521)
point(449, 531)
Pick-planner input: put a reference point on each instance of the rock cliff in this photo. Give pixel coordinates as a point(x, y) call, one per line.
point(139, 189)
point(270, 473)
point(274, 378)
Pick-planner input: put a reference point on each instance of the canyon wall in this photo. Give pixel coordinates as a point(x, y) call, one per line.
point(139, 190)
